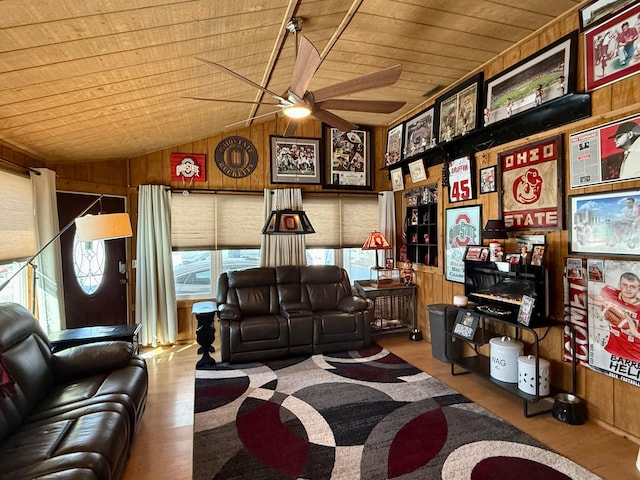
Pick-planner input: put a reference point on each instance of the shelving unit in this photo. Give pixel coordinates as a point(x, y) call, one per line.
point(480, 363)
point(422, 234)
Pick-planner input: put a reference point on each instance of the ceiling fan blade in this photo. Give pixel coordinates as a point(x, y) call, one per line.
point(334, 120)
point(373, 106)
point(382, 78)
point(240, 77)
point(230, 101)
point(307, 62)
point(290, 129)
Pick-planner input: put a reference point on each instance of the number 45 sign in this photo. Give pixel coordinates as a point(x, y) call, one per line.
point(460, 180)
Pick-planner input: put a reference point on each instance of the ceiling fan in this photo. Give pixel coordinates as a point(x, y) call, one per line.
point(298, 103)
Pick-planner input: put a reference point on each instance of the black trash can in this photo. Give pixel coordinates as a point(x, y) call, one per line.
point(441, 319)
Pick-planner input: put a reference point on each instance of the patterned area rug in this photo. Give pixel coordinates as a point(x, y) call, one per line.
point(363, 414)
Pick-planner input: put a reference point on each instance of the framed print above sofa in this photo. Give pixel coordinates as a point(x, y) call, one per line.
point(295, 160)
point(348, 158)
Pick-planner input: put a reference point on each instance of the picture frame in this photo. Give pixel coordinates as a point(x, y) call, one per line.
point(601, 155)
point(458, 110)
point(488, 179)
point(537, 255)
point(462, 228)
point(419, 134)
point(348, 158)
point(605, 62)
point(461, 179)
point(465, 324)
point(598, 11)
point(605, 223)
point(526, 309)
point(534, 200)
point(397, 179)
point(546, 75)
point(295, 160)
point(394, 145)
point(595, 270)
point(417, 171)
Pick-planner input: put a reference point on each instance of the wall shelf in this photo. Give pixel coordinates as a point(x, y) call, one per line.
point(555, 113)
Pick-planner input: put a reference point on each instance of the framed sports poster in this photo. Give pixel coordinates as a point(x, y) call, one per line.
point(605, 223)
point(614, 312)
point(394, 145)
point(397, 179)
point(458, 110)
point(462, 228)
point(461, 177)
point(531, 179)
point(295, 160)
point(348, 158)
point(418, 134)
point(606, 153)
point(610, 49)
point(597, 11)
point(547, 74)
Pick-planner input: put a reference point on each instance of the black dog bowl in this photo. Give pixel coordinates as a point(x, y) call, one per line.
point(569, 409)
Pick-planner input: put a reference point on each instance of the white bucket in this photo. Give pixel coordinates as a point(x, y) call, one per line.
point(527, 375)
point(504, 359)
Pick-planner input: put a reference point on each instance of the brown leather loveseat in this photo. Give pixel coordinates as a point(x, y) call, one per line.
point(289, 310)
point(66, 415)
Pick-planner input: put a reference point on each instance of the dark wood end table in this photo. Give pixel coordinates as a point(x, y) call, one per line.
point(205, 313)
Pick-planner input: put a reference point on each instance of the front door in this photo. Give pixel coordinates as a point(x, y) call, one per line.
point(94, 274)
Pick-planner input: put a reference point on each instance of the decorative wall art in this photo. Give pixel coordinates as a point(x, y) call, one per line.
point(613, 320)
point(605, 223)
point(611, 50)
point(188, 167)
point(418, 134)
point(462, 228)
point(598, 11)
point(394, 145)
point(531, 179)
point(548, 74)
point(606, 153)
point(295, 160)
point(236, 156)
point(488, 178)
point(458, 110)
point(397, 179)
point(348, 158)
point(417, 171)
point(461, 176)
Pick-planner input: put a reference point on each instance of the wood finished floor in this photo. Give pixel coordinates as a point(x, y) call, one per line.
point(163, 447)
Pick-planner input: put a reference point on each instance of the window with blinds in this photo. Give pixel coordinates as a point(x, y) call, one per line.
point(17, 218)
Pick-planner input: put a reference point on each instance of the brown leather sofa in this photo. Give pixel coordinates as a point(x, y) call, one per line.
point(289, 310)
point(72, 414)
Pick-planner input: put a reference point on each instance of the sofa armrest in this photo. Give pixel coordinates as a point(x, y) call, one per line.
point(228, 311)
point(90, 359)
point(353, 304)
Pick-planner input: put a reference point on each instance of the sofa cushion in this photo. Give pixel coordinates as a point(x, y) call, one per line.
point(89, 359)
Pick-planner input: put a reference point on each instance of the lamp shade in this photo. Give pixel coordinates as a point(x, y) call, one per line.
point(495, 229)
point(103, 227)
point(288, 222)
point(376, 241)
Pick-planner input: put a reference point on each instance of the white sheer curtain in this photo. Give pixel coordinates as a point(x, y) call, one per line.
point(387, 218)
point(282, 249)
point(155, 287)
point(49, 288)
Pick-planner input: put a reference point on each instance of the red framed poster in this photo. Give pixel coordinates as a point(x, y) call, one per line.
point(531, 178)
point(188, 167)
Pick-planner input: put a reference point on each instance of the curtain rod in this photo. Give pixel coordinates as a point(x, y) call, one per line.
point(204, 190)
point(28, 169)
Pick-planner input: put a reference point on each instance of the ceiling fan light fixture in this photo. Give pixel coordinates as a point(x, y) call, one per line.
point(297, 111)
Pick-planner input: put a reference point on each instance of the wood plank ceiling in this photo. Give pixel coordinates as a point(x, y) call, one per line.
point(87, 80)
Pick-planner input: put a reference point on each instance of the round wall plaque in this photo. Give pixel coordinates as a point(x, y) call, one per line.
point(236, 157)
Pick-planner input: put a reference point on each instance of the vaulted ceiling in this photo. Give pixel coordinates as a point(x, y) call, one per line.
point(87, 80)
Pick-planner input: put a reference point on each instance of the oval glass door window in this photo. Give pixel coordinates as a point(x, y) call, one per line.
point(89, 264)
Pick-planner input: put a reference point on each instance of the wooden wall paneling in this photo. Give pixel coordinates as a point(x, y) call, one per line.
point(625, 403)
point(599, 396)
point(625, 93)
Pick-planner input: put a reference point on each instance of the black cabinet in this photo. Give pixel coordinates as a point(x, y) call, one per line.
point(422, 233)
